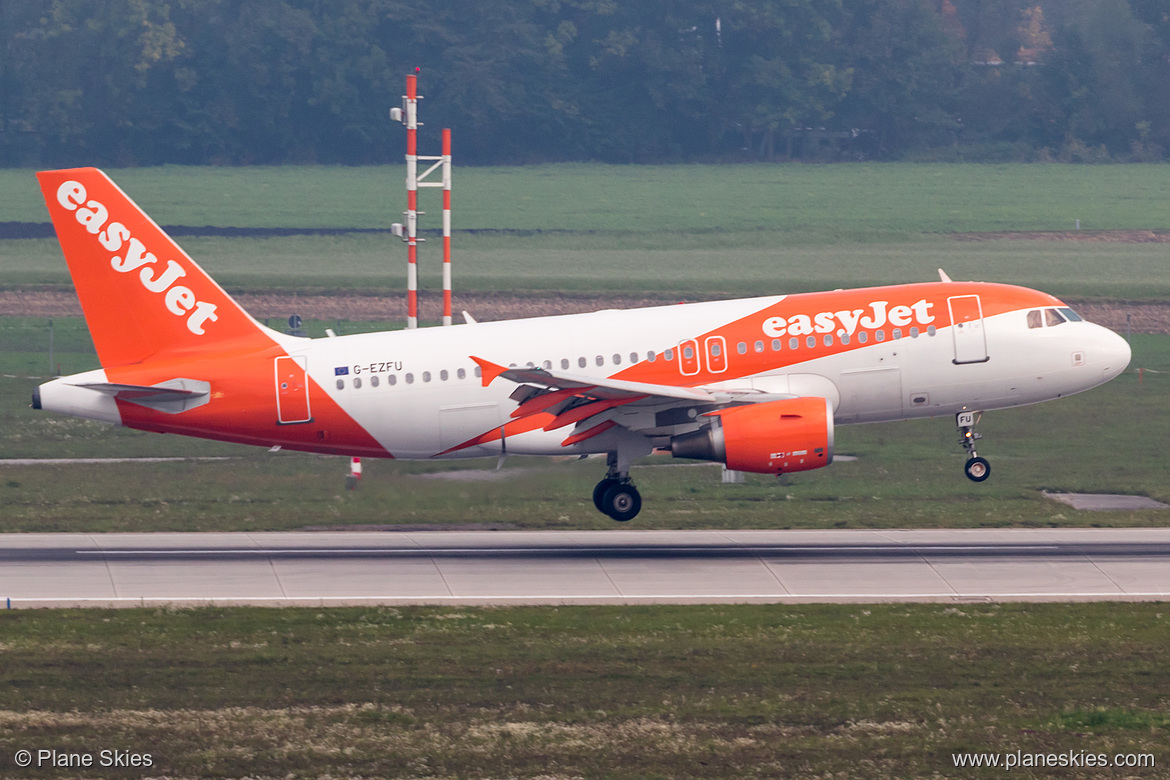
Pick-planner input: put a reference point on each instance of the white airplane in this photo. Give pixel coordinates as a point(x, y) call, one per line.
point(757, 384)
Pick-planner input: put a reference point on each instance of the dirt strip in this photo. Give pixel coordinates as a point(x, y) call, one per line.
point(1121, 316)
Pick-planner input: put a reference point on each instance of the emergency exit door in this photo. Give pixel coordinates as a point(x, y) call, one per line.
point(292, 391)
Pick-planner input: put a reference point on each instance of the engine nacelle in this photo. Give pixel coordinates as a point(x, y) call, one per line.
point(776, 437)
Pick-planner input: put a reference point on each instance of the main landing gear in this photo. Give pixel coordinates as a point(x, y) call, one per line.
point(616, 495)
point(977, 469)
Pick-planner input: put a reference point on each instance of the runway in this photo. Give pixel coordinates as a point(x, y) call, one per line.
point(583, 567)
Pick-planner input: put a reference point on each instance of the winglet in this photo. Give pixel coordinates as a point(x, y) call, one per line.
point(489, 370)
point(942, 276)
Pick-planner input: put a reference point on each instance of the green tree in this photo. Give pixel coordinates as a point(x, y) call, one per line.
point(906, 71)
point(779, 73)
point(1098, 80)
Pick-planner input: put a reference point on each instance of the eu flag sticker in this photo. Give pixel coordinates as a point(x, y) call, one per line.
point(341, 371)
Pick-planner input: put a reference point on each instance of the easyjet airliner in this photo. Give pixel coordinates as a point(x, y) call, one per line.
point(757, 384)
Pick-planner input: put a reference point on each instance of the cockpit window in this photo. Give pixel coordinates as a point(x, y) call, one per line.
point(1071, 315)
point(1034, 319)
point(1053, 318)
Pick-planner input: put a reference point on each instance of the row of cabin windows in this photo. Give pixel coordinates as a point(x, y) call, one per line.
point(688, 353)
point(392, 379)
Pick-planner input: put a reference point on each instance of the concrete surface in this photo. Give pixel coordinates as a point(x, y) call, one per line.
point(588, 567)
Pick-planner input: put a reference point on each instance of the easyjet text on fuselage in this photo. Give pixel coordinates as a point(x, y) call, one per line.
point(846, 322)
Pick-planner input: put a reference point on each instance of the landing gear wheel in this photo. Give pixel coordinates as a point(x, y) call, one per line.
point(977, 469)
point(599, 493)
point(621, 501)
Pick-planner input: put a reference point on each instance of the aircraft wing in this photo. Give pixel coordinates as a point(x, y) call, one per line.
point(584, 401)
point(590, 387)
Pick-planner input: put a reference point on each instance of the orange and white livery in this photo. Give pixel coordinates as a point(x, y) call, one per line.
point(757, 383)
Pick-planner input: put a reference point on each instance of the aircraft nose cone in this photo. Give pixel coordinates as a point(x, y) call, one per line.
point(1115, 353)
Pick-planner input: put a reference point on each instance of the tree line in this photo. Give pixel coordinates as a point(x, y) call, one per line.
point(136, 82)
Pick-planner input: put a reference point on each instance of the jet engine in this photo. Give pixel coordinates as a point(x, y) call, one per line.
point(776, 437)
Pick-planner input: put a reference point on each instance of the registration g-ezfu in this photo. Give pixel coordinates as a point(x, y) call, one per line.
point(377, 368)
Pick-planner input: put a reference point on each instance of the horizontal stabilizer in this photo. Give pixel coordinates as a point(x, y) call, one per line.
point(172, 396)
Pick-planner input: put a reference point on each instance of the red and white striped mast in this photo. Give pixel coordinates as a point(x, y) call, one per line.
point(446, 159)
point(408, 115)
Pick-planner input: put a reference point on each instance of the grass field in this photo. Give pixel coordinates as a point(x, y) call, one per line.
point(820, 203)
point(655, 692)
point(664, 692)
point(907, 474)
point(694, 230)
point(700, 231)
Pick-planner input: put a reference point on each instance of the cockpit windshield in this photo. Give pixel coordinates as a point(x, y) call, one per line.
point(1050, 318)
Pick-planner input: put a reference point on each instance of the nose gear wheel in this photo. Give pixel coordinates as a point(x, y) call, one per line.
point(976, 468)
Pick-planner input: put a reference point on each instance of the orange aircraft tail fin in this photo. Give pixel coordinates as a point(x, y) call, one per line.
point(142, 295)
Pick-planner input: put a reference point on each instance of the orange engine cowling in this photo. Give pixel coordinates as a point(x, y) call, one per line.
point(795, 434)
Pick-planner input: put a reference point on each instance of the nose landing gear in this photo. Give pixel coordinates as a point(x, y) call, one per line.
point(976, 468)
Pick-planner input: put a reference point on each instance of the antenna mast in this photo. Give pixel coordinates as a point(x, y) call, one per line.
point(408, 116)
